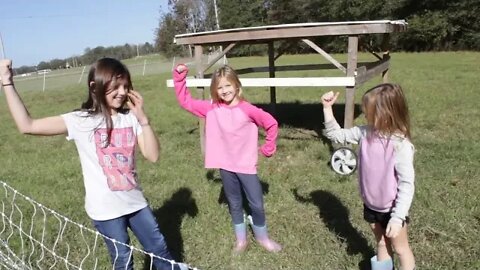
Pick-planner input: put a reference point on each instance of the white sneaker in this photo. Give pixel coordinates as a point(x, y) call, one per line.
point(249, 219)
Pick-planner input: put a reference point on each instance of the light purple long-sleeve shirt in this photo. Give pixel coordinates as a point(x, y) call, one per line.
point(231, 132)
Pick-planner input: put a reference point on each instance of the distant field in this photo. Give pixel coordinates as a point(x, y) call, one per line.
point(62, 78)
point(314, 213)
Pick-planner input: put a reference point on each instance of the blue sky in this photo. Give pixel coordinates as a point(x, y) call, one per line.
point(43, 30)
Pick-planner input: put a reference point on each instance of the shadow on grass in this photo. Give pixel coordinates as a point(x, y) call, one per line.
point(222, 199)
point(307, 116)
point(335, 216)
point(170, 217)
point(304, 116)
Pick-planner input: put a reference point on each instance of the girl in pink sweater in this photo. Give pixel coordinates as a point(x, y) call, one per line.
point(231, 145)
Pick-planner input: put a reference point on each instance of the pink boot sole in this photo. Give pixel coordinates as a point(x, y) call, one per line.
point(240, 247)
point(270, 245)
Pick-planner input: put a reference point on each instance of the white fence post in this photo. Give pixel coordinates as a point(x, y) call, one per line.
point(44, 77)
point(81, 75)
point(144, 65)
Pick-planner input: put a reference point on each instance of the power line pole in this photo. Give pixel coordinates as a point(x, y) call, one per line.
point(216, 13)
point(218, 28)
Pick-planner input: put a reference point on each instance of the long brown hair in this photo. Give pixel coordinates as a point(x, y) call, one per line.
point(231, 75)
point(103, 75)
point(386, 110)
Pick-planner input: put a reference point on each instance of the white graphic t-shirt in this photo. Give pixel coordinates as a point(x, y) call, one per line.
point(109, 172)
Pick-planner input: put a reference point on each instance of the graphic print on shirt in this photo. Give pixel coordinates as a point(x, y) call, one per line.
point(117, 158)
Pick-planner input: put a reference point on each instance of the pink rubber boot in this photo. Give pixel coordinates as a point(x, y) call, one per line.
point(261, 235)
point(241, 237)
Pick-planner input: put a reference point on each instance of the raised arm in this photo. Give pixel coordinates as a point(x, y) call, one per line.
point(332, 130)
point(328, 99)
point(196, 107)
point(25, 123)
point(147, 141)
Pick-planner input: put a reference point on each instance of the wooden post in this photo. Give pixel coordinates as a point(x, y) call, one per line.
point(386, 52)
point(350, 90)
point(201, 92)
point(271, 69)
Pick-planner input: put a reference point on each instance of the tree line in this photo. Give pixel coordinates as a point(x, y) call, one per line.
point(90, 55)
point(433, 25)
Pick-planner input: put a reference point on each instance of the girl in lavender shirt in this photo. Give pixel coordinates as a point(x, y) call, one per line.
point(231, 145)
point(386, 173)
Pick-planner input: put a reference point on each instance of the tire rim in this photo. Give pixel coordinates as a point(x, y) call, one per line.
point(344, 161)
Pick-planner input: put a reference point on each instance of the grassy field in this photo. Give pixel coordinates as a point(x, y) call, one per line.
point(313, 212)
point(62, 78)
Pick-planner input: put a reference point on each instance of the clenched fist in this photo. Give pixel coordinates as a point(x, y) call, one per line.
point(6, 74)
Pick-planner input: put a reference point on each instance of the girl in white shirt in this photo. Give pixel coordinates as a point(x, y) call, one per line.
point(106, 133)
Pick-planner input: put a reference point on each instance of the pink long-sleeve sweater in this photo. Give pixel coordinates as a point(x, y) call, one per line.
point(231, 132)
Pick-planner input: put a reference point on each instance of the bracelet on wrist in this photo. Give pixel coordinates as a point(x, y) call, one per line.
point(145, 124)
point(7, 84)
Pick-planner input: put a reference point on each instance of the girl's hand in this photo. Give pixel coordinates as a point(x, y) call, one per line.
point(329, 98)
point(6, 71)
point(393, 229)
point(181, 68)
point(135, 104)
point(268, 149)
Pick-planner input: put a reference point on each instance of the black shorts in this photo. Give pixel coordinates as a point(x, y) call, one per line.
point(372, 216)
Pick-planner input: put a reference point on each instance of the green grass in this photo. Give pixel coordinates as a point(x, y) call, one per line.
point(63, 78)
point(314, 213)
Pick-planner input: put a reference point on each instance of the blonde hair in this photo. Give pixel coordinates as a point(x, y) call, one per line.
point(386, 110)
point(231, 75)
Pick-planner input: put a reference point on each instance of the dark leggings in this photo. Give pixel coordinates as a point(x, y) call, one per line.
point(233, 184)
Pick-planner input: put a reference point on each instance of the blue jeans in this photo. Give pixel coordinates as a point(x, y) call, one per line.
point(145, 227)
point(233, 184)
